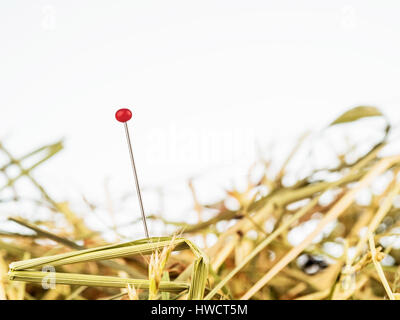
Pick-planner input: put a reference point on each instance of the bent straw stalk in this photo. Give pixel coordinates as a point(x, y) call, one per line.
point(23, 270)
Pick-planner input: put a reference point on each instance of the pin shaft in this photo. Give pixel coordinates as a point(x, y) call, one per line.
point(128, 139)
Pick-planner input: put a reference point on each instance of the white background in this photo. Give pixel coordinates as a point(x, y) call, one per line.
point(206, 80)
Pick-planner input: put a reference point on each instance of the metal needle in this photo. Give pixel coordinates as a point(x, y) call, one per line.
point(136, 181)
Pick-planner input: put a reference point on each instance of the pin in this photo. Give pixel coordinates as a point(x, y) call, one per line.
point(124, 115)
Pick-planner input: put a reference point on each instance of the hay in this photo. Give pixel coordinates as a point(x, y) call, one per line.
point(247, 261)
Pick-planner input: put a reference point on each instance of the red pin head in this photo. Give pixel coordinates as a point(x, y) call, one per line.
point(123, 115)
